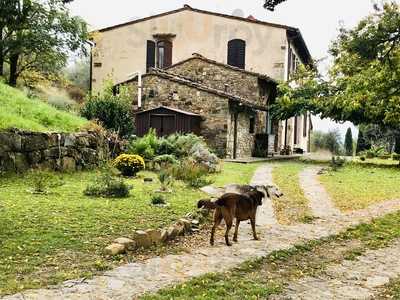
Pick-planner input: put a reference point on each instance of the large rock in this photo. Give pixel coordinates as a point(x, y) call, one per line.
point(127, 243)
point(142, 239)
point(21, 163)
point(114, 249)
point(10, 141)
point(68, 164)
point(164, 235)
point(35, 141)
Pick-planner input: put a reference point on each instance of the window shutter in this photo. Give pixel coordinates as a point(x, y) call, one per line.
point(237, 53)
point(151, 55)
point(168, 54)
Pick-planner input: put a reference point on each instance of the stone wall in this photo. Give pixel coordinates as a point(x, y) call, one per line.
point(214, 109)
point(217, 76)
point(245, 140)
point(23, 150)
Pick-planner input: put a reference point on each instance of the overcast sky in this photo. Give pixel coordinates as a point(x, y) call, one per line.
point(318, 20)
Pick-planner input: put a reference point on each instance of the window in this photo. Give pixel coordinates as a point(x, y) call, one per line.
point(305, 119)
point(252, 125)
point(151, 55)
point(164, 54)
point(237, 53)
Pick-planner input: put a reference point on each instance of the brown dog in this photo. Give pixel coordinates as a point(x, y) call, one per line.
point(241, 207)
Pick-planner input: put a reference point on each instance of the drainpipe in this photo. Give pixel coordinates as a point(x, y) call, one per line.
point(235, 132)
point(91, 44)
point(139, 75)
point(286, 132)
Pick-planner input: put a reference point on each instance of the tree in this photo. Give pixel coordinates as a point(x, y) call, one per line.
point(363, 85)
point(271, 4)
point(37, 35)
point(362, 143)
point(348, 143)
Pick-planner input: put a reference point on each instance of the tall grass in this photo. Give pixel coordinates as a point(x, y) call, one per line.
point(19, 111)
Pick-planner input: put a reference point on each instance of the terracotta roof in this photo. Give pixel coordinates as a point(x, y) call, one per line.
point(170, 108)
point(201, 57)
point(295, 31)
point(188, 82)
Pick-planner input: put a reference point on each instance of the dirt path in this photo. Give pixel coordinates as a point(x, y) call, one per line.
point(359, 279)
point(134, 279)
point(320, 202)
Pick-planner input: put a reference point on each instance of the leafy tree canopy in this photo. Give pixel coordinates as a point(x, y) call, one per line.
point(363, 85)
point(38, 35)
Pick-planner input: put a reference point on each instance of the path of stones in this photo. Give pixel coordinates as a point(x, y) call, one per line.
point(358, 278)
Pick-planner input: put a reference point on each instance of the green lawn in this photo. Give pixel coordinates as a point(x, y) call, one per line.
point(19, 111)
point(376, 161)
point(356, 187)
point(235, 173)
point(293, 206)
point(261, 278)
point(46, 239)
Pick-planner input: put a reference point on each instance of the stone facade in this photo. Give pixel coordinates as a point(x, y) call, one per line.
point(222, 77)
point(23, 150)
point(159, 91)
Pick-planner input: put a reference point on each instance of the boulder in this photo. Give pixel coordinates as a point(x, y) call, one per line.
point(195, 223)
point(114, 249)
point(35, 141)
point(35, 157)
point(127, 243)
point(68, 164)
point(154, 235)
point(180, 228)
point(142, 239)
point(10, 141)
point(21, 162)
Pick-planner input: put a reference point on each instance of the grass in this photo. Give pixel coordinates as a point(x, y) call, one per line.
point(47, 239)
point(391, 290)
point(261, 278)
point(19, 111)
point(235, 173)
point(376, 161)
point(293, 206)
point(357, 187)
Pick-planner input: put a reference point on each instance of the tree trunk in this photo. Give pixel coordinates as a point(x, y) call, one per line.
point(397, 144)
point(1, 53)
point(13, 69)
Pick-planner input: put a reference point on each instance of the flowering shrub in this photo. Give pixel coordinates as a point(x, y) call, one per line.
point(129, 165)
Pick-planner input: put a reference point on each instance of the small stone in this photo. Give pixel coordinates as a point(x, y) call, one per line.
point(114, 249)
point(186, 223)
point(172, 232)
point(154, 236)
point(195, 223)
point(164, 236)
point(142, 239)
point(127, 243)
point(180, 228)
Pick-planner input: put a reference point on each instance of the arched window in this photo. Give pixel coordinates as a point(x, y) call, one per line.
point(237, 53)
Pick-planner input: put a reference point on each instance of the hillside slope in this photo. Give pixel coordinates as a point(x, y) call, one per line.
point(19, 111)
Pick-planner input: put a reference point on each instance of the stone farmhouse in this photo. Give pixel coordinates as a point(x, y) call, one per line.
point(211, 74)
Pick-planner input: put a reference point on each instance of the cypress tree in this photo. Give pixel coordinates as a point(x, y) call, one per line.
point(348, 143)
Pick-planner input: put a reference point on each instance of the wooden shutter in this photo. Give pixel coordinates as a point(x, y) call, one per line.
point(237, 53)
point(151, 55)
point(168, 54)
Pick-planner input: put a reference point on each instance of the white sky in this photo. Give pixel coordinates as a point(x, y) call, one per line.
point(318, 20)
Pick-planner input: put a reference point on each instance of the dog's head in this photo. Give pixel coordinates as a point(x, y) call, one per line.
point(269, 190)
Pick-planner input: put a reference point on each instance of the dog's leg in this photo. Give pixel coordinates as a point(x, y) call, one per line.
point(235, 236)
point(227, 214)
point(217, 221)
point(253, 226)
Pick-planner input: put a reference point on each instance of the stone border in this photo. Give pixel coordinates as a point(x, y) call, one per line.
point(150, 237)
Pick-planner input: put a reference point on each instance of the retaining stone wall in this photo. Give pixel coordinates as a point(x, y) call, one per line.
point(24, 150)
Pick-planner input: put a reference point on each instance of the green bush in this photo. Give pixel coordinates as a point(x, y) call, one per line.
point(107, 186)
point(146, 146)
point(165, 178)
point(113, 115)
point(165, 160)
point(190, 172)
point(158, 200)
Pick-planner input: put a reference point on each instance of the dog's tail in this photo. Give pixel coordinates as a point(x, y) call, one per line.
point(208, 204)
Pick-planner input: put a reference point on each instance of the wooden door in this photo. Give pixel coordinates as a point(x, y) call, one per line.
point(163, 124)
